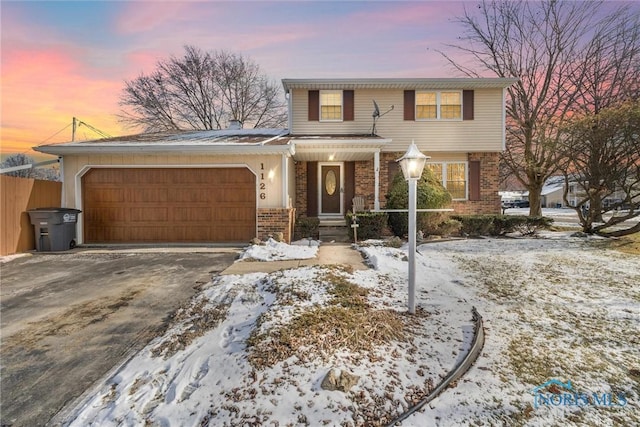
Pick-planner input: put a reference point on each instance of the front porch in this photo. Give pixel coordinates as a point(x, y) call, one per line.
point(331, 171)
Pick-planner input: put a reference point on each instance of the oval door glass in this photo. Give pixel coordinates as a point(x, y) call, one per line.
point(330, 182)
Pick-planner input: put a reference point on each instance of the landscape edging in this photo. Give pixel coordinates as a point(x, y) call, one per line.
point(456, 373)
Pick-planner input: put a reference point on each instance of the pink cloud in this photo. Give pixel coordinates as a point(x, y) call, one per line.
point(43, 89)
point(422, 13)
point(141, 17)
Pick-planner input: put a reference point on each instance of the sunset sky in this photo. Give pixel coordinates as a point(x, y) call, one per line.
point(65, 59)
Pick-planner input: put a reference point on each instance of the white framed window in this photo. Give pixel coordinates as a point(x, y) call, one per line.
point(330, 105)
point(453, 176)
point(438, 105)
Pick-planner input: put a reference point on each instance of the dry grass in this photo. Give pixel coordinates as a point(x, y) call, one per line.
point(346, 322)
point(627, 244)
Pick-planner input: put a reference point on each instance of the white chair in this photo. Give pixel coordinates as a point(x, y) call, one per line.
point(358, 204)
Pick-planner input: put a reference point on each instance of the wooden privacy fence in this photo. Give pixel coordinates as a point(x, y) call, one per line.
point(18, 196)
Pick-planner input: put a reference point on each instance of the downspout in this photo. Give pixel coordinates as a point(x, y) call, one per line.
point(289, 109)
point(376, 184)
point(63, 198)
point(285, 182)
point(504, 119)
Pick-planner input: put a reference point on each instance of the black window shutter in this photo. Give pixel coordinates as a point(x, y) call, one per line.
point(474, 180)
point(349, 184)
point(467, 105)
point(314, 105)
point(410, 105)
point(312, 189)
point(348, 102)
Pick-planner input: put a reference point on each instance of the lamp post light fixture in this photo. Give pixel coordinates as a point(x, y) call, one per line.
point(412, 165)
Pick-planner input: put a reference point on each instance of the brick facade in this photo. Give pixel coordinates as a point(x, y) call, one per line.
point(365, 182)
point(276, 220)
point(489, 202)
point(301, 188)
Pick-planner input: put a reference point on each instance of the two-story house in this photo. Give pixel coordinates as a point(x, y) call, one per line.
point(235, 184)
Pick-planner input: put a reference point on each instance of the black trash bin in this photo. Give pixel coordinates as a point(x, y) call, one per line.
point(55, 228)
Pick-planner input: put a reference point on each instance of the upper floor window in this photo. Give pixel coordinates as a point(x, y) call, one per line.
point(330, 105)
point(438, 105)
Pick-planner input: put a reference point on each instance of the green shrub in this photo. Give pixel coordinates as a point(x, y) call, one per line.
point(306, 227)
point(475, 225)
point(503, 224)
point(430, 195)
point(499, 225)
point(371, 225)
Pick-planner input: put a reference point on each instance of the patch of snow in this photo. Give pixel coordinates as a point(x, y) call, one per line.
point(279, 251)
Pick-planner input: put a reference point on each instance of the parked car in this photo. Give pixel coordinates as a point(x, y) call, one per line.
point(521, 204)
point(507, 204)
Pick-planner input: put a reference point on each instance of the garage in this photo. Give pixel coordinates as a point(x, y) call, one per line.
point(174, 205)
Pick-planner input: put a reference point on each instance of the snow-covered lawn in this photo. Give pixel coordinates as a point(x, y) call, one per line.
point(253, 349)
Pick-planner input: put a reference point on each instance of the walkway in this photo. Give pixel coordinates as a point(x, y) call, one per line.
point(328, 253)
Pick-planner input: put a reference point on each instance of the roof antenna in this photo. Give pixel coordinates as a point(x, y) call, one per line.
point(376, 115)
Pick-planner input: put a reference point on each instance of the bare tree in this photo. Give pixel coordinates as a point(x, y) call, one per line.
point(606, 77)
point(603, 168)
point(19, 160)
point(551, 46)
point(47, 174)
point(203, 90)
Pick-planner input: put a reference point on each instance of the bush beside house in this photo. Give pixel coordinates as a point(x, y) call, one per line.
point(431, 195)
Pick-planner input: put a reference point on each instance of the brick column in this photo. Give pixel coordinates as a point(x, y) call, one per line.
point(276, 220)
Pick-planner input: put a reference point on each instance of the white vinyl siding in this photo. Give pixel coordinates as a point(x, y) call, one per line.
point(484, 133)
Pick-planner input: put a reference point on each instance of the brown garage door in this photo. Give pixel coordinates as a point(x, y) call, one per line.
point(169, 205)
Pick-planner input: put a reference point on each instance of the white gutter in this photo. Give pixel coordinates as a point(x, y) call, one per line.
point(399, 83)
point(229, 149)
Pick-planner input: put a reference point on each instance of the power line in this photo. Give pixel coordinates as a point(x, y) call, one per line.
point(64, 128)
point(96, 130)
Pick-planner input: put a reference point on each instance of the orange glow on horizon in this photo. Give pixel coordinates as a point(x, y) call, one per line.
point(42, 90)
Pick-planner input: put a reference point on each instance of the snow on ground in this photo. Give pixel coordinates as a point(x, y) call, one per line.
point(567, 217)
point(7, 258)
point(272, 250)
point(559, 308)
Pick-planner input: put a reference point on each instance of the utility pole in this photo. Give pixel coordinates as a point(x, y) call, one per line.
point(73, 130)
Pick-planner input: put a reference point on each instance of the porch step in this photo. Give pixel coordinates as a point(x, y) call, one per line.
point(332, 222)
point(337, 233)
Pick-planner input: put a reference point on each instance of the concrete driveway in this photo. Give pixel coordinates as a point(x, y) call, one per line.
point(69, 318)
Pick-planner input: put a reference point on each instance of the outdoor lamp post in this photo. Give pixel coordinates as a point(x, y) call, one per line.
point(412, 164)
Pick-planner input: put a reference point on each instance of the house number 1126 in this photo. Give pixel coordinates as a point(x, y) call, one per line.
point(263, 185)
